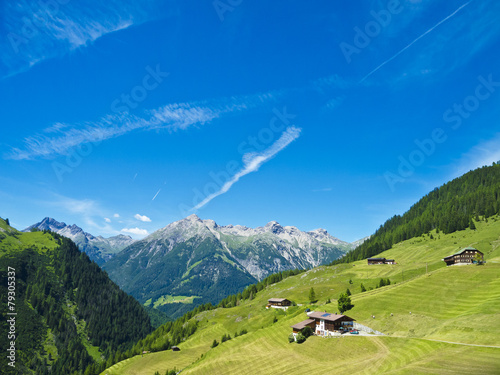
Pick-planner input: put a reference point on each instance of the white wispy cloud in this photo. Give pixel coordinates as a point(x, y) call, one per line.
point(116, 215)
point(253, 161)
point(414, 41)
point(86, 207)
point(135, 231)
point(62, 138)
point(442, 48)
point(143, 218)
point(38, 30)
point(107, 220)
point(335, 102)
point(322, 190)
point(333, 81)
point(481, 155)
point(89, 212)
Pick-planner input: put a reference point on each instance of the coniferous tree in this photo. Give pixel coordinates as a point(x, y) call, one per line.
point(472, 226)
point(344, 303)
point(312, 295)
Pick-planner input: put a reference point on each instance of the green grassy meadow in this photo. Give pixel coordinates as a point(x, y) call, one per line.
point(459, 304)
point(163, 300)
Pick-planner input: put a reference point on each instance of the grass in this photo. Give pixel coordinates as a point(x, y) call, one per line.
point(186, 274)
point(458, 304)
point(17, 241)
point(166, 299)
point(49, 346)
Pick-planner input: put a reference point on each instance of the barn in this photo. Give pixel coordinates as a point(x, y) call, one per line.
point(464, 256)
point(325, 324)
point(380, 261)
point(278, 303)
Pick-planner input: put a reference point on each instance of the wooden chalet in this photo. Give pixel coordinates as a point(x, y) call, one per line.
point(464, 256)
point(325, 324)
point(176, 349)
point(380, 261)
point(306, 323)
point(278, 303)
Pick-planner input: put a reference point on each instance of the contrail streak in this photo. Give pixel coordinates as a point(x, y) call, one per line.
point(158, 192)
point(414, 41)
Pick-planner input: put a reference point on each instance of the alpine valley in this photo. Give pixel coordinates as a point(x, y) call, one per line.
point(194, 261)
point(417, 316)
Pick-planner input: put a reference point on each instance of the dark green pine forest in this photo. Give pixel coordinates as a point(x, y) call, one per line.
point(454, 206)
point(70, 316)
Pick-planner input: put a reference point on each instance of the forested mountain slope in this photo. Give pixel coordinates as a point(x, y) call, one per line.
point(70, 315)
point(451, 207)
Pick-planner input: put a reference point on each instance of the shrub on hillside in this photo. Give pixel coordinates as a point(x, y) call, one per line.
point(307, 331)
point(300, 338)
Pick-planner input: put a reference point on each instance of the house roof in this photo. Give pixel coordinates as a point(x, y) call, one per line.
point(303, 324)
point(327, 316)
point(461, 251)
point(376, 258)
point(276, 299)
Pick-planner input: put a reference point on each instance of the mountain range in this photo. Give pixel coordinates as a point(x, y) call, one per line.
point(194, 260)
point(71, 318)
point(99, 249)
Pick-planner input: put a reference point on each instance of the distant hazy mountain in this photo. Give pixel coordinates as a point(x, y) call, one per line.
point(197, 258)
point(99, 249)
point(355, 244)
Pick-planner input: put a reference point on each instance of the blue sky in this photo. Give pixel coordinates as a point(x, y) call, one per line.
point(124, 116)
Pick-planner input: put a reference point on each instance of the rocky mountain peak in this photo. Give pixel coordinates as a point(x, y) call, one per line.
point(274, 227)
point(322, 235)
point(99, 249)
point(320, 231)
point(193, 218)
point(49, 224)
point(210, 224)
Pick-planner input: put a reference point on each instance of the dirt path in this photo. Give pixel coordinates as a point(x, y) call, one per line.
point(447, 342)
point(461, 343)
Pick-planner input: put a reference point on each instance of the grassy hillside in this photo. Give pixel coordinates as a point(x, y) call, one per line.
point(457, 304)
